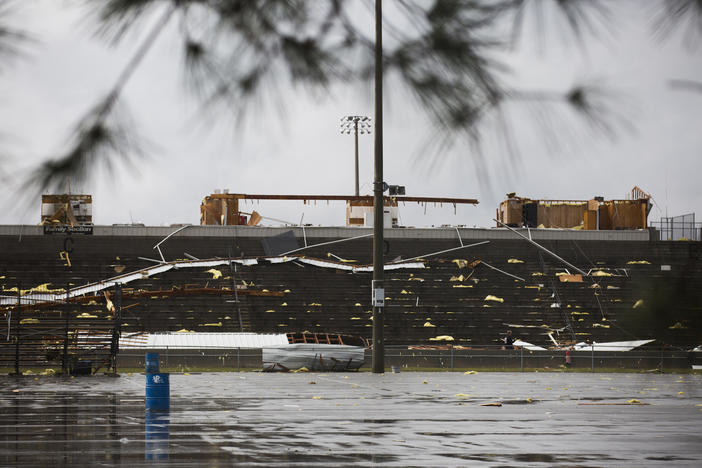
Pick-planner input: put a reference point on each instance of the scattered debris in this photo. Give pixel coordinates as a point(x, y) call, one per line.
point(490, 297)
point(565, 278)
point(440, 337)
point(216, 274)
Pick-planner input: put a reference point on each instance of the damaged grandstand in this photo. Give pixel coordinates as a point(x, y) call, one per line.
point(67, 297)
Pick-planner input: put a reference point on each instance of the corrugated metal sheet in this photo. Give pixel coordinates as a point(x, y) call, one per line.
point(202, 340)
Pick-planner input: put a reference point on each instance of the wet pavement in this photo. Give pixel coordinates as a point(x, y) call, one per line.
point(356, 419)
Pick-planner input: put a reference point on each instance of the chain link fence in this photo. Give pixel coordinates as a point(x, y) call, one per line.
point(425, 358)
point(491, 357)
point(681, 227)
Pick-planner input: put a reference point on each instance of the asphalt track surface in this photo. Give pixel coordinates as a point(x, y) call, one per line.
point(356, 419)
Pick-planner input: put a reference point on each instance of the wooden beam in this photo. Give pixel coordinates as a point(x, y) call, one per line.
point(243, 196)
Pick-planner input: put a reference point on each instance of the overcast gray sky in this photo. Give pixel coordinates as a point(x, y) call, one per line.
point(302, 152)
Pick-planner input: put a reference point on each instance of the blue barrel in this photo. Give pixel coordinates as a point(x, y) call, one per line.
point(151, 362)
point(158, 392)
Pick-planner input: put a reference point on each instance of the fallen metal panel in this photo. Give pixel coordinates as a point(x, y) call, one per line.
point(529, 346)
point(611, 345)
point(313, 357)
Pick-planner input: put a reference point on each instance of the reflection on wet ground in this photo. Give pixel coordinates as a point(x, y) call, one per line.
point(408, 419)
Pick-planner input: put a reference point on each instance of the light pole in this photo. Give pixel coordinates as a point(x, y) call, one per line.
point(377, 286)
point(355, 124)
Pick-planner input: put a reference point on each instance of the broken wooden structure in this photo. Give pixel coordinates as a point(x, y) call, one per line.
point(594, 214)
point(69, 209)
point(223, 209)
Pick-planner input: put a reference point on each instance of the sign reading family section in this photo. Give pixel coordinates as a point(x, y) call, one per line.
point(65, 229)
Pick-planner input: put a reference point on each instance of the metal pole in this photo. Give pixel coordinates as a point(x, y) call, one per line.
point(593, 356)
point(355, 129)
point(17, 329)
point(67, 312)
point(378, 342)
point(116, 326)
point(521, 358)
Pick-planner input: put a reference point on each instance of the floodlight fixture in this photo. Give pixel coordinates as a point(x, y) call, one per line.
point(355, 124)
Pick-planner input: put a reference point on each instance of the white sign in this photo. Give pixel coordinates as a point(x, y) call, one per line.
point(378, 297)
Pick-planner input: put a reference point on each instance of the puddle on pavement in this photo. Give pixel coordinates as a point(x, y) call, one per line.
point(263, 420)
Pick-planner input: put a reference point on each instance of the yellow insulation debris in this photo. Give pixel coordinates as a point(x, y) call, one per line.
point(442, 338)
point(216, 274)
point(599, 325)
point(456, 278)
point(44, 288)
point(515, 260)
point(28, 320)
point(638, 304)
point(638, 262)
point(218, 324)
point(490, 297)
point(460, 263)
point(462, 286)
point(429, 324)
point(601, 273)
